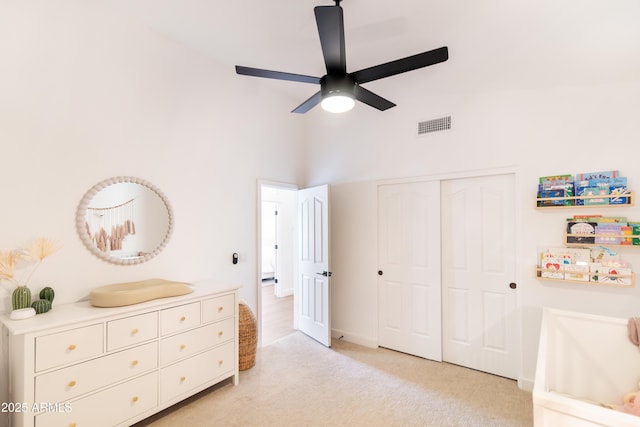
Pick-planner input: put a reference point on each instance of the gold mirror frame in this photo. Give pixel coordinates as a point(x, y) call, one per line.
point(89, 244)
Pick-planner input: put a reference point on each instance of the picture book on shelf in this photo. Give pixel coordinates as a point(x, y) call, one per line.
point(596, 191)
point(618, 187)
point(556, 186)
point(583, 189)
point(598, 264)
point(584, 176)
point(608, 234)
point(564, 263)
point(581, 232)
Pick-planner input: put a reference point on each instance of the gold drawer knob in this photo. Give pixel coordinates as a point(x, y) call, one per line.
point(220, 309)
point(220, 362)
point(134, 331)
point(72, 425)
point(183, 346)
point(71, 383)
point(71, 347)
point(183, 379)
point(220, 333)
point(134, 363)
point(134, 399)
point(183, 318)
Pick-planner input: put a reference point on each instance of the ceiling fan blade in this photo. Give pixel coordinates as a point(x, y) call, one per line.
point(308, 104)
point(370, 98)
point(331, 30)
point(401, 65)
point(278, 75)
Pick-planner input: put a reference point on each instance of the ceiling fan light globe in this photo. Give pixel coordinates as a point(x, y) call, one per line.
point(337, 103)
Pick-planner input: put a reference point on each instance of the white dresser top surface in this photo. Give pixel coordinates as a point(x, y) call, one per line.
point(83, 311)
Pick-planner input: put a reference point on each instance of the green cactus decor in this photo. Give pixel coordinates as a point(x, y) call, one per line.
point(47, 293)
point(41, 306)
point(21, 298)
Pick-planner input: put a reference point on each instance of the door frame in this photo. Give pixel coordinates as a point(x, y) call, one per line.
point(478, 173)
point(258, 283)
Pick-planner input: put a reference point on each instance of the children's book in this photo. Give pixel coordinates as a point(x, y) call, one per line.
point(553, 267)
point(617, 275)
point(596, 175)
point(618, 187)
point(608, 234)
point(579, 187)
point(635, 231)
point(596, 191)
point(555, 179)
point(581, 232)
point(577, 272)
point(603, 254)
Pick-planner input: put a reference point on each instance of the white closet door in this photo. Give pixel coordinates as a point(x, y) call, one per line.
point(480, 325)
point(409, 310)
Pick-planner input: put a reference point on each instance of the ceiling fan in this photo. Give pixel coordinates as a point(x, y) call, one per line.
point(338, 89)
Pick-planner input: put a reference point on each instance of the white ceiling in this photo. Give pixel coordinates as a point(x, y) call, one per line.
point(493, 44)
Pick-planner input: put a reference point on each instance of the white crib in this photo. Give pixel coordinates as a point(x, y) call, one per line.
point(584, 360)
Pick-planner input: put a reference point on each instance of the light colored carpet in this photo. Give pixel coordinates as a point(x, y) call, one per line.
point(298, 382)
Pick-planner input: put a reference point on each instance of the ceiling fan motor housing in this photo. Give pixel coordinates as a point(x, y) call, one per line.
point(341, 84)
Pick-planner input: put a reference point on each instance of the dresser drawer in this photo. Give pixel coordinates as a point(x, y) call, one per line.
point(131, 330)
point(107, 408)
point(218, 308)
point(186, 344)
point(67, 347)
point(224, 330)
point(194, 341)
point(180, 378)
point(67, 383)
point(179, 318)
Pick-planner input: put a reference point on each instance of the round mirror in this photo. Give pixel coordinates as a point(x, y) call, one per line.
point(124, 220)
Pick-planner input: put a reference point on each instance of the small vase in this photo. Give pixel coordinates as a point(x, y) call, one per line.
point(21, 298)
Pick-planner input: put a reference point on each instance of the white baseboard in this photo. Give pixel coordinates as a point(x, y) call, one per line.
point(285, 293)
point(525, 384)
point(353, 338)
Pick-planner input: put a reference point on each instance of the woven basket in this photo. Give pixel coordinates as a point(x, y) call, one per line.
point(248, 340)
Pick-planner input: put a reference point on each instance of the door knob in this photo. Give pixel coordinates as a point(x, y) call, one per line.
point(380, 272)
point(325, 274)
point(512, 285)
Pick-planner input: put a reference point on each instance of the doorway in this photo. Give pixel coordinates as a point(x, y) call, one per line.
point(277, 243)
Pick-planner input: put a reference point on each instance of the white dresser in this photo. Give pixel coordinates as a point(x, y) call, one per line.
point(79, 365)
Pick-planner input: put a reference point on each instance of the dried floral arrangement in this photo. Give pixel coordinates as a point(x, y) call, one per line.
point(34, 254)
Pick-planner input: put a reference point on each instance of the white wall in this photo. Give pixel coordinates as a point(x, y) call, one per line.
point(535, 132)
point(87, 94)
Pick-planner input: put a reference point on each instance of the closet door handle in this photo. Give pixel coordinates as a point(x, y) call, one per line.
point(325, 274)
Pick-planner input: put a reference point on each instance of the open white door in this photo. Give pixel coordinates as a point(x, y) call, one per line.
point(313, 258)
